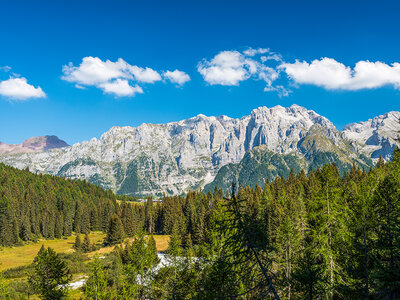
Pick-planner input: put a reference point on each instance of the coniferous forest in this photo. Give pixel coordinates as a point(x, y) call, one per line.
point(308, 236)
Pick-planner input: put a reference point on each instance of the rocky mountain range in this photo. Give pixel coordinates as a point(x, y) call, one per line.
point(202, 151)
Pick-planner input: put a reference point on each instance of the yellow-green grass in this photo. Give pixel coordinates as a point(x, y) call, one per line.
point(12, 257)
point(161, 244)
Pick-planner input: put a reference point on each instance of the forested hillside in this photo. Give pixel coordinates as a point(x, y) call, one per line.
point(35, 206)
point(318, 235)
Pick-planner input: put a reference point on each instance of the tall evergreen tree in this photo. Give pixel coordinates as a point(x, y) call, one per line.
point(387, 208)
point(86, 246)
point(96, 284)
point(115, 232)
point(50, 275)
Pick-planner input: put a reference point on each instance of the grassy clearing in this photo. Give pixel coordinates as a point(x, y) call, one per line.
point(161, 244)
point(12, 257)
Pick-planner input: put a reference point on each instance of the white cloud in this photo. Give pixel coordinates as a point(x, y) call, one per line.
point(226, 68)
point(120, 88)
point(177, 77)
point(5, 68)
point(231, 67)
point(252, 52)
point(331, 74)
point(271, 56)
point(93, 71)
point(147, 75)
point(118, 78)
point(20, 89)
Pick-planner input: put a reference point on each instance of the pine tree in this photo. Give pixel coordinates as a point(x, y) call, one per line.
point(149, 221)
point(328, 218)
point(96, 284)
point(78, 243)
point(6, 235)
point(25, 233)
point(387, 207)
point(115, 232)
point(86, 246)
point(127, 219)
point(174, 245)
point(381, 162)
point(151, 242)
point(50, 275)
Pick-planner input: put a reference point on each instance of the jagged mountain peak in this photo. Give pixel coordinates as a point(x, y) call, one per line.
point(376, 136)
point(291, 114)
point(389, 120)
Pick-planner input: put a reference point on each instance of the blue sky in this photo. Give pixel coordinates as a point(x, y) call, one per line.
point(337, 58)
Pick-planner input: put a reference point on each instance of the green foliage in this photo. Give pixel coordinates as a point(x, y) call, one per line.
point(115, 232)
point(86, 246)
point(5, 291)
point(333, 233)
point(96, 284)
point(43, 206)
point(78, 243)
point(50, 275)
point(139, 256)
point(174, 246)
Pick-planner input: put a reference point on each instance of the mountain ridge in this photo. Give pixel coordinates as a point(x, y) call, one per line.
point(172, 158)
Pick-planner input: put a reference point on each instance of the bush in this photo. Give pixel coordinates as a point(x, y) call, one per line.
point(17, 272)
point(75, 261)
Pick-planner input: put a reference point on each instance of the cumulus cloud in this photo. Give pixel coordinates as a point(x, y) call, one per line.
point(231, 67)
point(333, 75)
point(20, 89)
point(147, 75)
point(177, 77)
point(93, 71)
point(117, 78)
point(226, 68)
point(120, 88)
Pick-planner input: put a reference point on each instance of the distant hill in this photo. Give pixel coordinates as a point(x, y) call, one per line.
point(34, 144)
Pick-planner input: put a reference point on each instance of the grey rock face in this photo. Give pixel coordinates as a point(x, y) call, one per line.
point(377, 136)
point(174, 157)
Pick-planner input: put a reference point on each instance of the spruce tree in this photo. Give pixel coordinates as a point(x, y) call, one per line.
point(78, 243)
point(174, 245)
point(86, 246)
point(96, 284)
point(50, 275)
point(387, 207)
point(58, 230)
point(115, 232)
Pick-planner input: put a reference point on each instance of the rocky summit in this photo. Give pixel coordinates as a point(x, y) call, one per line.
point(202, 151)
